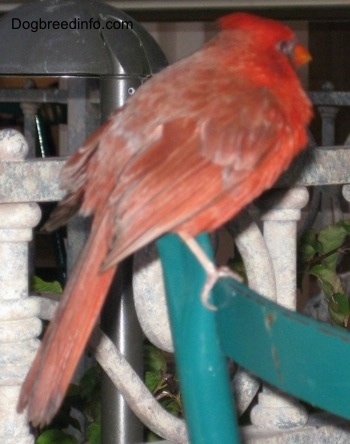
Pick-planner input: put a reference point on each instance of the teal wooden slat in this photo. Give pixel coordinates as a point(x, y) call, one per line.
point(204, 382)
point(306, 358)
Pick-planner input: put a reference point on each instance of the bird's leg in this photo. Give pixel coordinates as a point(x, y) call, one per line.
point(213, 273)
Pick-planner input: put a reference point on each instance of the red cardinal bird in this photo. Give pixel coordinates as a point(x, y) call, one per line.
point(193, 146)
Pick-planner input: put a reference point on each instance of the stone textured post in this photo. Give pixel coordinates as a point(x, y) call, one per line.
point(276, 411)
point(19, 324)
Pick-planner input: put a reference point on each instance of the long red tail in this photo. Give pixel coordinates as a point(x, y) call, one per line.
point(69, 331)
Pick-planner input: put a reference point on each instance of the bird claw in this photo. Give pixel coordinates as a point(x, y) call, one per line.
point(212, 278)
point(213, 273)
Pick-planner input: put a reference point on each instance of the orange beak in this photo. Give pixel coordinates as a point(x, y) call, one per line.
point(300, 55)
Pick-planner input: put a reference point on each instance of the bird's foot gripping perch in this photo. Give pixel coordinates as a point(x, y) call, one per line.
point(213, 273)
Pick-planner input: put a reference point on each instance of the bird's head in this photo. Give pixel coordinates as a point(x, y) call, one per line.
point(268, 33)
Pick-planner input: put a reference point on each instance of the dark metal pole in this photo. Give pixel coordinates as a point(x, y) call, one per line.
point(119, 425)
point(81, 121)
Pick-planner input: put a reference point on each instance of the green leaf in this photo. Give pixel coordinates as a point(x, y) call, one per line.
point(309, 246)
point(345, 224)
point(152, 380)
point(332, 237)
point(152, 437)
point(329, 280)
point(94, 433)
point(40, 286)
point(339, 309)
point(90, 381)
point(54, 436)
point(172, 406)
point(154, 359)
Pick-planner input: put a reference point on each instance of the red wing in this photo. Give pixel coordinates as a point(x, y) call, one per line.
point(180, 168)
point(189, 171)
point(239, 134)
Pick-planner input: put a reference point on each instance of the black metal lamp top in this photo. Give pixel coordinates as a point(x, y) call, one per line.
point(76, 37)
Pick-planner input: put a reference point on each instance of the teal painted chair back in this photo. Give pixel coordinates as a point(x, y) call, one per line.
point(302, 357)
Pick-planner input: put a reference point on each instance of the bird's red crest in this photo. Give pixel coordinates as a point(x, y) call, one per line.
point(235, 20)
point(254, 24)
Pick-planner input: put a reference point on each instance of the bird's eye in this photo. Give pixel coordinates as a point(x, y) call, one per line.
point(285, 47)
